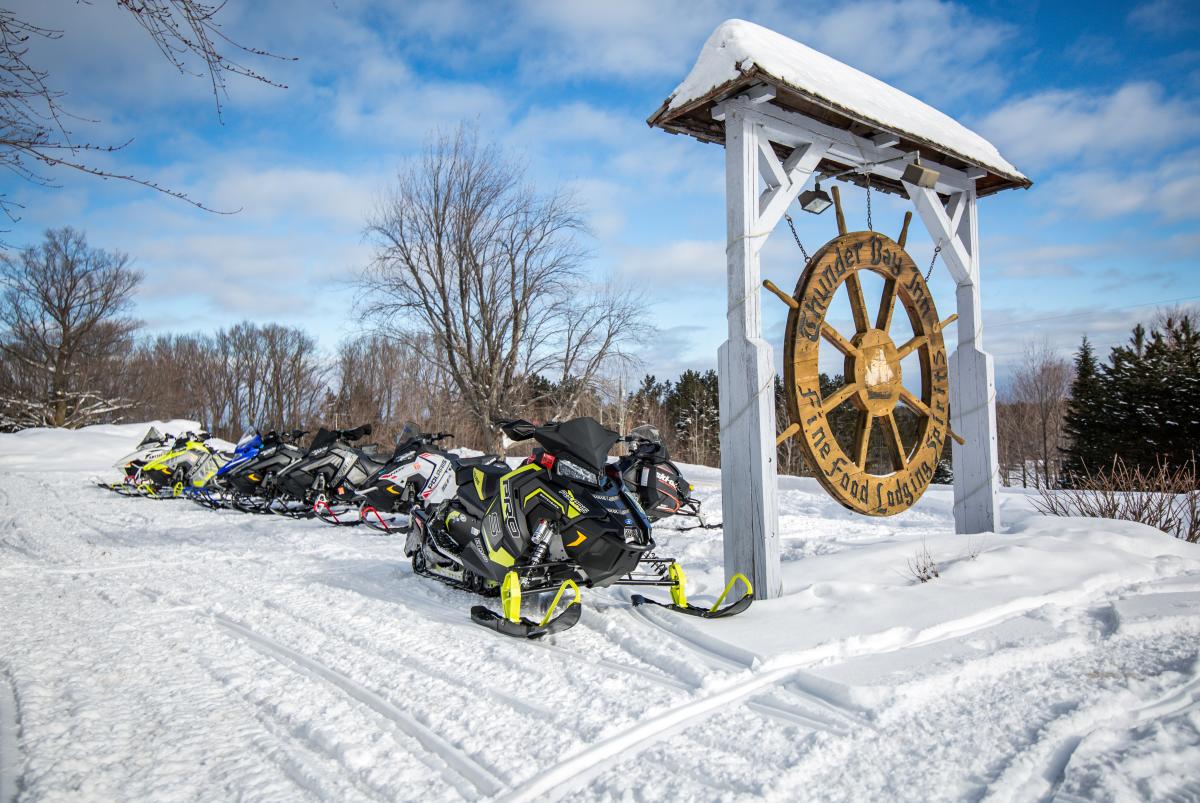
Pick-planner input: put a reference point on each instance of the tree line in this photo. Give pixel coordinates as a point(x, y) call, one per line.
point(1062, 422)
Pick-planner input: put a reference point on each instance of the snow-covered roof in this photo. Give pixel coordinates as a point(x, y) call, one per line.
point(741, 53)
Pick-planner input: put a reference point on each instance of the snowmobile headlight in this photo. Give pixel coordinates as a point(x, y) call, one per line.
point(576, 472)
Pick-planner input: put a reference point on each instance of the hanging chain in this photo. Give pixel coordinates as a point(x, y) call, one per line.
point(937, 249)
point(796, 237)
point(869, 226)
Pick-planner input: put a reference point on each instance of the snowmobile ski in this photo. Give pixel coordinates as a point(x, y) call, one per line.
point(680, 603)
point(512, 623)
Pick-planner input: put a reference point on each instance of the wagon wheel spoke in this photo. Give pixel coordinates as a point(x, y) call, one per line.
point(887, 305)
point(916, 404)
point(862, 438)
point(908, 348)
point(844, 392)
point(858, 305)
point(895, 444)
point(840, 343)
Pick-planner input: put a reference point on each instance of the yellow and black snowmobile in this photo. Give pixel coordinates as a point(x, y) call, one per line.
point(188, 462)
point(562, 520)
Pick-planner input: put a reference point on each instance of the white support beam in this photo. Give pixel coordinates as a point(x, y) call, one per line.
point(955, 209)
point(790, 128)
point(937, 223)
point(745, 361)
point(972, 372)
point(798, 169)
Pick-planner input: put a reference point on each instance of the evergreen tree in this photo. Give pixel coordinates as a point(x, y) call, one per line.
point(1085, 426)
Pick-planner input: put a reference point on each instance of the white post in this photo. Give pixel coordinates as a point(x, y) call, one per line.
point(972, 373)
point(747, 377)
point(973, 399)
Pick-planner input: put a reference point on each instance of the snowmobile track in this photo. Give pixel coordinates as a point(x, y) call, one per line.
point(10, 731)
point(462, 766)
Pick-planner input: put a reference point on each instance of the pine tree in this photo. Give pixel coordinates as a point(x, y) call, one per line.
point(1088, 447)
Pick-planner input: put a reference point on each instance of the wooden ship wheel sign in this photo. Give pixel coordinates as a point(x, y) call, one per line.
point(874, 381)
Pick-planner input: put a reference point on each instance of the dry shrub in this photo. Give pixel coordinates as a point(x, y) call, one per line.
point(1163, 497)
point(922, 567)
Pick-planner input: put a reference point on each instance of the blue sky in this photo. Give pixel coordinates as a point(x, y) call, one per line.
point(1097, 102)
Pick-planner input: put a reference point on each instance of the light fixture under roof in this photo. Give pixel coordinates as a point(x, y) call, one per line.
point(815, 200)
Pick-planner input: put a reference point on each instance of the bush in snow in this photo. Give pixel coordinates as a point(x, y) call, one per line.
point(1164, 497)
point(922, 567)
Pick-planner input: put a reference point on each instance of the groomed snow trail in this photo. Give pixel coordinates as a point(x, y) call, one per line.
point(156, 649)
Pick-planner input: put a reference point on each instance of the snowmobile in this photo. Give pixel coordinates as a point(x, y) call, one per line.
point(153, 445)
point(167, 475)
point(324, 480)
point(562, 520)
point(249, 486)
point(647, 468)
point(417, 473)
point(214, 491)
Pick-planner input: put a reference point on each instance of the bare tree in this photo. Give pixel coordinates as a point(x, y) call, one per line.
point(35, 128)
point(1043, 383)
point(61, 308)
point(386, 381)
point(491, 274)
point(248, 375)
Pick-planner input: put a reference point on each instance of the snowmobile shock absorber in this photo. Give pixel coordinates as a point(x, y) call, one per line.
point(541, 542)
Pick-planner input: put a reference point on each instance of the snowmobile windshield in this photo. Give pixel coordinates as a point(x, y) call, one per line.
point(248, 440)
point(584, 438)
point(324, 437)
point(647, 432)
point(411, 432)
point(152, 436)
point(650, 444)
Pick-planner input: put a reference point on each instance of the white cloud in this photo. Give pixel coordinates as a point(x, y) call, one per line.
point(277, 194)
point(1170, 191)
point(940, 51)
point(1050, 128)
point(1163, 17)
point(1056, 259)
point(683, 264)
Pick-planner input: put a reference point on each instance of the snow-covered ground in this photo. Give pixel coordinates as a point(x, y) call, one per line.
point(155, 649)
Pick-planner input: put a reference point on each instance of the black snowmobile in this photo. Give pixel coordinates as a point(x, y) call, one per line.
point(660, 487)
point(250, 486)
point(323, 482)
point(419, 472)
point(561, 520)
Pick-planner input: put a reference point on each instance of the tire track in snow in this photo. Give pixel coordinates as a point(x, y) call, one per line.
point(1049, 774)
point(466, 775)
point(590, 761)
point(739, 661)
point(295, 755)
point(414, 664)
point(10, 730)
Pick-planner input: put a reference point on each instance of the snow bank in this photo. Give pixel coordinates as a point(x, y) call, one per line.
point(736, 46)
point(90, 450)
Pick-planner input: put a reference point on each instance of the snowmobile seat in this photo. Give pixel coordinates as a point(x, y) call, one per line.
point(482, 481)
